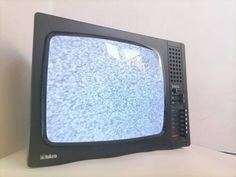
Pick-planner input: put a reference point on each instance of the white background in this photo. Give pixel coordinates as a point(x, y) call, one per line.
point(207, 27)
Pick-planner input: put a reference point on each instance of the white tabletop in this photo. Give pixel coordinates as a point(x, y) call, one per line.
point(190, 161)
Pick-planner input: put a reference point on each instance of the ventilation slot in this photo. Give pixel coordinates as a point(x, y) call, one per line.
point(179, 123)
point(175, 64)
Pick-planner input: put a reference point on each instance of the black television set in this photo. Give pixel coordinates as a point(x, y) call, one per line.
point(99, 92)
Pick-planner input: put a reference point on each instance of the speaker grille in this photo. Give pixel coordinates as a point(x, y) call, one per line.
point(175, 64)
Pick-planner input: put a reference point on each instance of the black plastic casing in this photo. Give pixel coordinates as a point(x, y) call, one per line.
point(175, 131)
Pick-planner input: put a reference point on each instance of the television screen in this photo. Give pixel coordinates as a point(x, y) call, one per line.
point(102, 90)
point(99, 92)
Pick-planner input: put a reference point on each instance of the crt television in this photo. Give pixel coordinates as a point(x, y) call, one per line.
point(99, 92)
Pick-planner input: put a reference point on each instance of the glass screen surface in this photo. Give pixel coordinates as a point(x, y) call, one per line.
point(102, 90)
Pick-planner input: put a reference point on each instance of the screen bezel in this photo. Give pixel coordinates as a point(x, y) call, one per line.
point(44, 90)
point(45, 25)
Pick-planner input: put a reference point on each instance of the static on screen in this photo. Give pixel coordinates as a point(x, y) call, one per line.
point(102, 90)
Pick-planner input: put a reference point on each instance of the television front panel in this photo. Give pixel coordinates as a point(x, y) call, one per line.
point(99, 92)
